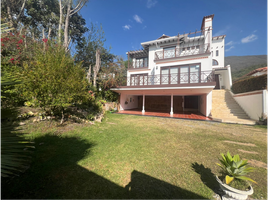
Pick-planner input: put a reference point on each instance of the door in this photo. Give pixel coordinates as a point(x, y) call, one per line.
point(217, 87)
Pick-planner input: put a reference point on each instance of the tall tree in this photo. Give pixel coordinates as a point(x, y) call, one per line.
point(13, 10)
point(87, 47)
point(69, 13)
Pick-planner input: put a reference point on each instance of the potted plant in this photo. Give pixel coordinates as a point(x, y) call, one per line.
point(233, 180)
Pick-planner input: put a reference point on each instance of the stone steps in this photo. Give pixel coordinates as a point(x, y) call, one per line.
point(226, 109)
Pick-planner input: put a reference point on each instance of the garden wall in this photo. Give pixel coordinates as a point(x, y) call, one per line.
point(253, 103)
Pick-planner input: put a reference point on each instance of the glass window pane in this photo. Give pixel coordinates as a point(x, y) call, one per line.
point(164, 76)
point(184, 74)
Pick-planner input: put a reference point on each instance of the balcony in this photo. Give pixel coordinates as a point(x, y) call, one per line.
point(176, 79)
point(182, 51)
point(138, 64)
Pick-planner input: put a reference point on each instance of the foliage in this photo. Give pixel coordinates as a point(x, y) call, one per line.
point(113, 75)
point(110, 95)
point(234, 168)
point(250, 83)
point(236, 75)
point(54, 81)
point(14, 154)
point(87, 47)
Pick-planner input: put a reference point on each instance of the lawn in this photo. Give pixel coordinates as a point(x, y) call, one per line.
point(135, 157)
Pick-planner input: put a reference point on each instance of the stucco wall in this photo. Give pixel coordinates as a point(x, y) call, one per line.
point(253, 103)
point(131, 105)
point(225, 78)
point(218, 45)
point(202, 103)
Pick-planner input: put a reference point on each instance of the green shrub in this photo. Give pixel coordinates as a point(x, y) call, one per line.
point(53, 82)
point(249, 84)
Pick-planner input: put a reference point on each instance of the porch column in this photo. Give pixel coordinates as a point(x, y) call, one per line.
point(143, 104)
point(171, 109)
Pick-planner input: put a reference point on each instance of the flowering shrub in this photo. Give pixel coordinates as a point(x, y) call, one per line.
point(14, 50)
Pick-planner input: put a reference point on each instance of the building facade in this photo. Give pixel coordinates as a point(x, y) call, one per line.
point(176, 73)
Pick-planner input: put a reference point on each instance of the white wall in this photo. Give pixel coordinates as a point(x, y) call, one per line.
point(131, 105)
point(253, 103)
point(218, 45)
point(225, 77)
point(209, 104)
point(203, 104)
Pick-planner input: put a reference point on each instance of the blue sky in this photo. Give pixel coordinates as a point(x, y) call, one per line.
point(127, 23)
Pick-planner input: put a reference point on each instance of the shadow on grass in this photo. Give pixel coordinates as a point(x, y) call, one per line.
point(207, 177)
point(55, 174)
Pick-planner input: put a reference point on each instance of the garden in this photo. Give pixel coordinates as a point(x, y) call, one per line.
point(128, 156)
point(59, 141)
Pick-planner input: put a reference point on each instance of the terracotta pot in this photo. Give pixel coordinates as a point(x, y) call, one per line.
point(232, 193)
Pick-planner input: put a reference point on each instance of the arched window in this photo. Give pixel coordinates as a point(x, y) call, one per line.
point(214, 62)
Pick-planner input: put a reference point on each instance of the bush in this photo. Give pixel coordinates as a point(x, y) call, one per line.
point(53, 81)
point(249, 84)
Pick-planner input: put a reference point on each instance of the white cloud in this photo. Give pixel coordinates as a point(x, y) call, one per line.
point(222, 32)
point(137, 19)
point(249, 38)
point(229, 43)
point(229, 48)
point(255, 31)
point(126, 27)
point(151, 3)
point(144, 27)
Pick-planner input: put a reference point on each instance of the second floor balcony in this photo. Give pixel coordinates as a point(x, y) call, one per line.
point(177, 52)
point(173, 79)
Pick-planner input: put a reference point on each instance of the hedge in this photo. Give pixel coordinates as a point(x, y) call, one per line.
point(249, 84)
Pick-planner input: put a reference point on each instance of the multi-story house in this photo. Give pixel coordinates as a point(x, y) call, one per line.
point(176, 73)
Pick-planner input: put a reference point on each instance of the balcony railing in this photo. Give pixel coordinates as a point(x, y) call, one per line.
point(182, 51)
point(171, 79)
point(138, 64)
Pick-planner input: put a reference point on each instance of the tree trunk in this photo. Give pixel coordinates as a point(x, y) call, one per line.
point(43, 31)
point(60, 21)
point(97, 66)
point(89, 74)
point(10, 16)
point(49, 32)
point(66, 28)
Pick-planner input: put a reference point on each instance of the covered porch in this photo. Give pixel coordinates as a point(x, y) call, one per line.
point(168, 101)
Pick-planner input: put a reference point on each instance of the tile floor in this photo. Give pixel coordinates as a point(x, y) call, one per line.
point(182, 115)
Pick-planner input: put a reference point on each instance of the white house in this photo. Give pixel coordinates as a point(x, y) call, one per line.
point(176, 73)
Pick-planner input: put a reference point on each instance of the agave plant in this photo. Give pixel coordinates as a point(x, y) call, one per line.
point(235, 168)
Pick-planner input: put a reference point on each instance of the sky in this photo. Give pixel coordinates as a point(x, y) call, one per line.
point(128, 23)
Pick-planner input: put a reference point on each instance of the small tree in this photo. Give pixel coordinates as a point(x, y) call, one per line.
point(54, 81)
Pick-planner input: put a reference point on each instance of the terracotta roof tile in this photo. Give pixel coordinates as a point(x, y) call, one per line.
point(263, 69)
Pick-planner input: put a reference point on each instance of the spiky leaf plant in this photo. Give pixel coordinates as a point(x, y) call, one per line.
point(15, 156)
point(234, 168)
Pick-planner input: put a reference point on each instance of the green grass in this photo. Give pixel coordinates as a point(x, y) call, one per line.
point(134, 157)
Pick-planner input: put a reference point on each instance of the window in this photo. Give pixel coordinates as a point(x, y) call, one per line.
point(181, 74)
point(140, 62)
point(215, 62)
point(217, 52)
point(212, 53)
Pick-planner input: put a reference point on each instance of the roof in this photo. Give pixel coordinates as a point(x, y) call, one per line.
point(163, 36)
point(209, 16)
point(263, 69)
point(218, 37)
